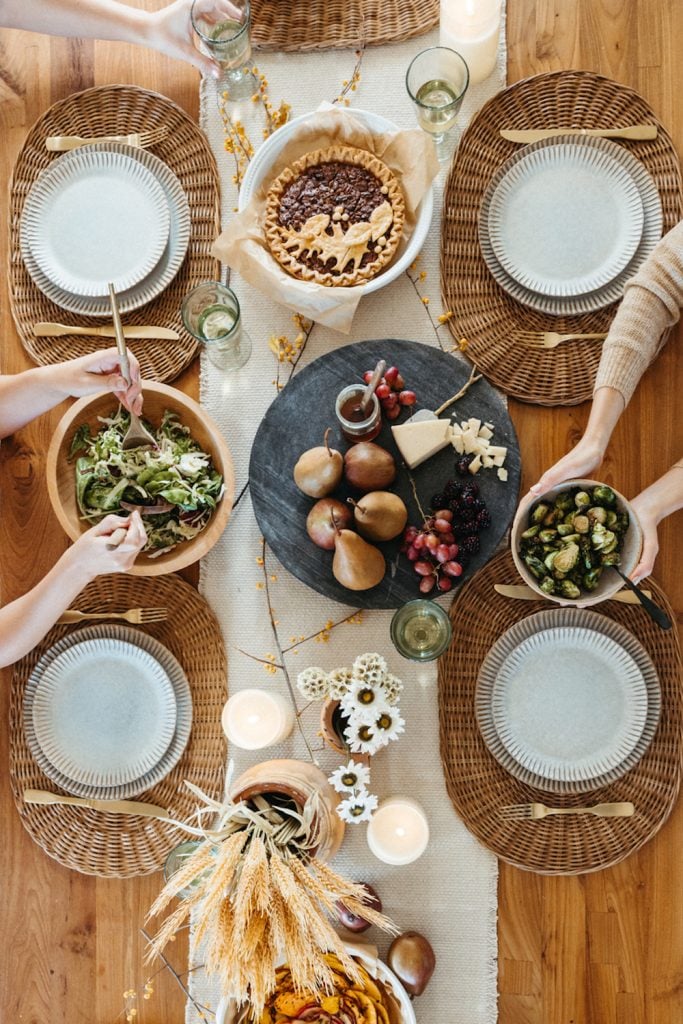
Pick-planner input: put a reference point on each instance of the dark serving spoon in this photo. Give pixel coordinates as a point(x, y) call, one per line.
point(652, 609)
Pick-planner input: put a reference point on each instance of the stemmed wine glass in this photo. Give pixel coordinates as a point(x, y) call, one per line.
point(437, 81)
point(226, 39)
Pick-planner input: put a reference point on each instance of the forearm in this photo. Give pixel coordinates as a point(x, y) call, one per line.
point(24, 622)
point(665, 495)
point(85, 19)
point(27, 395)
point(607, 407)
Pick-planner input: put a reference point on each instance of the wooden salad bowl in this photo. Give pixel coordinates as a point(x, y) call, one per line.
point(157, 398)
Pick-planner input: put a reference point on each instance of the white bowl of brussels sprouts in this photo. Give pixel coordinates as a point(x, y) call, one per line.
point(565, 541)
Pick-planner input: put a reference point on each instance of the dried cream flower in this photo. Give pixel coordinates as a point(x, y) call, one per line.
point(313, 683)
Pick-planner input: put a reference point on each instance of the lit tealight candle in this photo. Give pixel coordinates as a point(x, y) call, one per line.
point(398, 831)
point(256, 718)
point(472, 28)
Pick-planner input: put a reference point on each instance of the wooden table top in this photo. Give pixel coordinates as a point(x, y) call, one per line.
point(598, 949)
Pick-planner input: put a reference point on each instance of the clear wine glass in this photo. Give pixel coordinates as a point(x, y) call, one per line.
point(227, 40)
point(437, 81)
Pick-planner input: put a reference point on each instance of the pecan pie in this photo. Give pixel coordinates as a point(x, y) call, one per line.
point(335, 216)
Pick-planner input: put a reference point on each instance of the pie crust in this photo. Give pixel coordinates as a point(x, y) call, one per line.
point(313, 235)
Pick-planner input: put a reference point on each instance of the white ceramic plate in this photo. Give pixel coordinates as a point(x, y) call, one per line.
point(261, 162)
point(569, 703)
point(162, 274)
point(376, 968)
point(183, 702)
point(611, 292)
point(565, 219)
point(104, 712)
point(510, 641)
point(95, 216)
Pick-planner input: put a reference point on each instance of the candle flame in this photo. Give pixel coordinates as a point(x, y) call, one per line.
point(253, 719)
point(400, 831)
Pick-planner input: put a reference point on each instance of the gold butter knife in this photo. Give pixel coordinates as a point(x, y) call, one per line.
point(520, 592)
point(42, 796)
point(50, 330)
point(635, 132)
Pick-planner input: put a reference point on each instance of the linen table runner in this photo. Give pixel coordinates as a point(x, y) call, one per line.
point(449, 894)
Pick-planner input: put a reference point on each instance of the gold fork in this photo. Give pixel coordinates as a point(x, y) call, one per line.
point(520, 812)
point(143, 140)
point(551, 339)
point(137, 616)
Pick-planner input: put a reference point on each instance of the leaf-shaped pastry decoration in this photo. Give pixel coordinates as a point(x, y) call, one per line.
point(381, 219)
point(343, 247)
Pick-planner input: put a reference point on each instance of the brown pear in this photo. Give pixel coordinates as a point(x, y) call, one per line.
point(379, 515)
point(319, 470)
point(357, 565)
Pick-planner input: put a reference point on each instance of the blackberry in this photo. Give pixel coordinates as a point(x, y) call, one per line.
point(438, 501)
point(483, 519)
point(452, 489)
point(469, 544)
point(470, 488)
point(469, 500)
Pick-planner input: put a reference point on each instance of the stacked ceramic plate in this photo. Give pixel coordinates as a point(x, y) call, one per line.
point(567, 700)
point(567, 221)
point(107, 712)
point(102, 213)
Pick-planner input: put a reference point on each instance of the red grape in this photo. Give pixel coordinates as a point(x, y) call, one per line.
point(390, 400)
point(407, 398)
point(412, 553)
point(431, 541)
point(392, 412)
point(444, 584)
point(447, 538)
point(419, 541)
point(427, 584)
point(444, 513)
point(453, 548)
point(442, 525)
point(424, 568)
point(391, 374)
point(452, 568)
point(410, 534)
point(382, 390)
point(399, 383)
point(367, 376)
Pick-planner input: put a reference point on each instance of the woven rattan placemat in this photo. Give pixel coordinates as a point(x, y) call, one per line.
point(118, 110)
point(114, 845)
point(479, 786)
point(485, 314)
point(324, 24)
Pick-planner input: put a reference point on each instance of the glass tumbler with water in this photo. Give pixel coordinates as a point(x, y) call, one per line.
point(421, 630)
point(226, 39)
point(211, 314)
point(437, 81)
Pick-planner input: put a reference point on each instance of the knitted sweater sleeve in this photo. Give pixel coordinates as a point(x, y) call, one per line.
point(651, 304)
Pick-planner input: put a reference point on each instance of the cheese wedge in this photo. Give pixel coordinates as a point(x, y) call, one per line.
point(417, 442)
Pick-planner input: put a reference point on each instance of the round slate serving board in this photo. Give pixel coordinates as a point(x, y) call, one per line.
point(297, 420)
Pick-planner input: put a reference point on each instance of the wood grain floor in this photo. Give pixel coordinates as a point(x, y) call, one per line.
point(602, 949)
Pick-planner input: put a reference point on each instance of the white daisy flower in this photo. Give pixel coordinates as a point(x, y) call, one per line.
point(350, 777)
point(370, 667)
point(391, 687)
point(388, 725)
point(340, 682)
point(357, 808)
point(361, 737)
point(362, 700)
point(313, 683)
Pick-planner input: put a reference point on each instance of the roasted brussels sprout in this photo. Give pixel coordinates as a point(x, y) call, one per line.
point(569, 541)
point(604, 495)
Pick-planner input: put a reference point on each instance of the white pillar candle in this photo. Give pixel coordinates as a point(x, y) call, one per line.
point(398, 831)
point(472, 28)
point(253, 719)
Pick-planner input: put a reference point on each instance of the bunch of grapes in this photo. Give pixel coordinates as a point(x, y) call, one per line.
point(440, 548)
point(391, 392)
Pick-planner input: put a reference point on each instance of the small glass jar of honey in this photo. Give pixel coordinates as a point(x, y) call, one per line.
point(357, 424)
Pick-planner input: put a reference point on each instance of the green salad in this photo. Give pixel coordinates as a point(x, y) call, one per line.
point(174, 486)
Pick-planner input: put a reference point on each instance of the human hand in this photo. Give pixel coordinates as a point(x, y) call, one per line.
point(648, 517)
point(92, 554)
point(171, 31)
point(100, 371)
point(579, 462)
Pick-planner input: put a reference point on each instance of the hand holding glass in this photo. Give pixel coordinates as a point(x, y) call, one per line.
point(437, 81)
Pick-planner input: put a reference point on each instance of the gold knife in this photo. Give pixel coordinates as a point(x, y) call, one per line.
point(42, 796)
point(520, 592)
point(637, 132)
point(50, 330)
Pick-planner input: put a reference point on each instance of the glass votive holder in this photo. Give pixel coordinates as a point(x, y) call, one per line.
point(421, 630)
point(253, 719)
point(398, 832)
point(227, 40)
point(437, 81)
point(211, 314)
point(176, 860)
point(355, 424)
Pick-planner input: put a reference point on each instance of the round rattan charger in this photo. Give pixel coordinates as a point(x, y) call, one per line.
point(120, 110)
point(482, 312)
point(115, 845)
point(479, 786)
point(328, 24)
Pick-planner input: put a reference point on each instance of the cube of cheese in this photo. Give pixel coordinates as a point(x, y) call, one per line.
point(502, 474)
point(417, 442)
point(486, 433)
point(474, 425)
point(475, 464)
